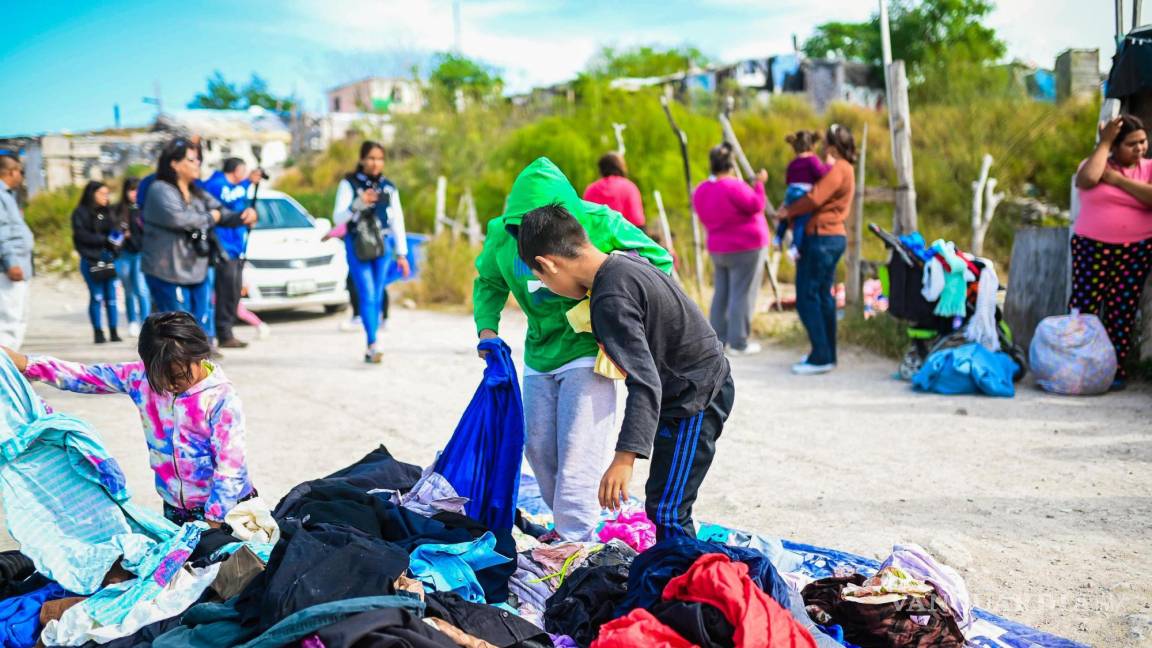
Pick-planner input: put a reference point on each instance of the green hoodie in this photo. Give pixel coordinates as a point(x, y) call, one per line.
point(551, 342)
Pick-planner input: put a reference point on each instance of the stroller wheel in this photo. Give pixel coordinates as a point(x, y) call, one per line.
point(911, 364)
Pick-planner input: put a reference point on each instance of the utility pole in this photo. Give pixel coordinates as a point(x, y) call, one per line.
point(900, 126)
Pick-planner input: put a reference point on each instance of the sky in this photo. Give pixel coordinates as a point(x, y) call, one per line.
point(67, 63)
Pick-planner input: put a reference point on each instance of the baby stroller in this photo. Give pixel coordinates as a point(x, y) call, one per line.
point(928, 332)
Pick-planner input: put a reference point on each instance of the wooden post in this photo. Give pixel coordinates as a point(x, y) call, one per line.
point(474, 236)
point(772, 259)
point(854, 257)
point(900, 122)
point(1039, 280)
point(441, 201)
point(984, 203)
point(697, 240)
point(666, 231)
point(618, 129)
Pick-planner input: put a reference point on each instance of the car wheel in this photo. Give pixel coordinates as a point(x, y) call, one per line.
point(332, 309)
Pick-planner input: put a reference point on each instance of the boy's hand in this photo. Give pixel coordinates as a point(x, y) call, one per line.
point(486, 334)
point(614, 484)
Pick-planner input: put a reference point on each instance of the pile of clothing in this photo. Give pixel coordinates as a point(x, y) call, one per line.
point(384, 553)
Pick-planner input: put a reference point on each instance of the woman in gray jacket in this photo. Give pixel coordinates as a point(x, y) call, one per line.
point(178, 216)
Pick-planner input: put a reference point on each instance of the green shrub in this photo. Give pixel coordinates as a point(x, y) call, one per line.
point(49, 216)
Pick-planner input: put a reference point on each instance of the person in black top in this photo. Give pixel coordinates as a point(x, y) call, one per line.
point(680, 389)
point(137, 300)
point(98, 239)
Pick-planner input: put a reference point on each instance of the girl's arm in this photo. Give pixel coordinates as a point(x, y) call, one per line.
point(396, 223)
point(750, 200)
point(342, 211)
point(18, 359)
point(83, 379)
point(1141, 191)
point(230, 479)
point(1092, 170)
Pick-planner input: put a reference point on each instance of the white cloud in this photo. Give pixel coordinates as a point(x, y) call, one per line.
point(556, 49)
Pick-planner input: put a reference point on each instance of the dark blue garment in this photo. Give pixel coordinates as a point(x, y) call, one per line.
point(194, 299)
point(669, 558)
point(142, 189)
point(234, 197)
point(482, 459)
point(815, 274)
point(101, 296)
point(20, 616)
point(968, 369)
point(798, 223)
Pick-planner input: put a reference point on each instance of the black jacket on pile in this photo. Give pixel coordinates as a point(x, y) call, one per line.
point(90, 230)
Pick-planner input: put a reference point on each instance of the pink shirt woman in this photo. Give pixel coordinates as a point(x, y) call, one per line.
point(616, 191)
point(1112, 240)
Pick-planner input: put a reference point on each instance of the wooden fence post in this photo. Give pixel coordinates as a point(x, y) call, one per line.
point(441, 205)
point(984, 203)
point(855, 255)
point(900, 122)
point(666, 230)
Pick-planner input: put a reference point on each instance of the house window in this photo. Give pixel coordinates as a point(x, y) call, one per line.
point(335, 104)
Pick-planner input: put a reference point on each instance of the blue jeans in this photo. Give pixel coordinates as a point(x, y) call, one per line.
point(815, 275)
point(194, 298)
point(369, 277)
point(100, 293)
point(137, 300)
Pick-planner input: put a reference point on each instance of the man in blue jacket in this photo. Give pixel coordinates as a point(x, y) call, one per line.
point(230, 186)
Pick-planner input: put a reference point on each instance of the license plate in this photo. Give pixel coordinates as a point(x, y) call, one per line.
point(302, 287)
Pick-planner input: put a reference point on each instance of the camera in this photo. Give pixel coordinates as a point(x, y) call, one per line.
point(263, 174)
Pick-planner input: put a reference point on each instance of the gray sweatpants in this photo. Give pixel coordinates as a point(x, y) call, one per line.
point(737, 280)
point(570, 437)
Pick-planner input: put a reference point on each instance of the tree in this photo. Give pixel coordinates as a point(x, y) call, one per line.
point(455, 72)
point(644, 61)
point(928, 35)
point(223, 95)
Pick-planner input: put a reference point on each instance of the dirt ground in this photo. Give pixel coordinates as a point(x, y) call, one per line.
point(1043, 503)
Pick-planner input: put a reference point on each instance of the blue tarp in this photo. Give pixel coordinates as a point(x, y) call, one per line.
point(482, 459)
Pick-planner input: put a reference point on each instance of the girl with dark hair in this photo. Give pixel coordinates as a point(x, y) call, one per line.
point(616, 191)
point(97, 239)
point(732, 214)
point(803, 172)
point(137, 301)
point(825, 239)
point(1112, 236)
point(193, 420)
point(177, 218)
point(368, 206)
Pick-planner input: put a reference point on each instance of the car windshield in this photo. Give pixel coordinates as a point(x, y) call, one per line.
point(278, 213)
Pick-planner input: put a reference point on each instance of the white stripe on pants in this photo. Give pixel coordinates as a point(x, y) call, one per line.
point(13, 311)
point(570, 437)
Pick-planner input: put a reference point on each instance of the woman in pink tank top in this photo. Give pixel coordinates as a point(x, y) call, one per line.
point(1112, 237)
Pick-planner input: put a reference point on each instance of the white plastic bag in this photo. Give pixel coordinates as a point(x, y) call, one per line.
point(1072, 354)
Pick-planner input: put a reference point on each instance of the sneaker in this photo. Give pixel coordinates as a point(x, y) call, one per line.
point(114, 335)
point(264, 331)
point(373, 356)
point(805, 369)
point(98, 337)
point(350, 324)
point(133, 329)
point(752, 348)
point(233, 343)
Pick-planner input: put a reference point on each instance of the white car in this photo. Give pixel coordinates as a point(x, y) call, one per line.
point(288, 265)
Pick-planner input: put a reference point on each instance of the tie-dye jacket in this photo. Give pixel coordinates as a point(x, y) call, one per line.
point(195, 439)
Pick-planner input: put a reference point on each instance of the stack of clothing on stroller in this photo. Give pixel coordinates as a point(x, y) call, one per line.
point(960, 342)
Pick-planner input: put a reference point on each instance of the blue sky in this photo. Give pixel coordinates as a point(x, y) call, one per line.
point(66, 63)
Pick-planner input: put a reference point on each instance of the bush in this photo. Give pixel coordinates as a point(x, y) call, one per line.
point(447, 273)
point(49, 216)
